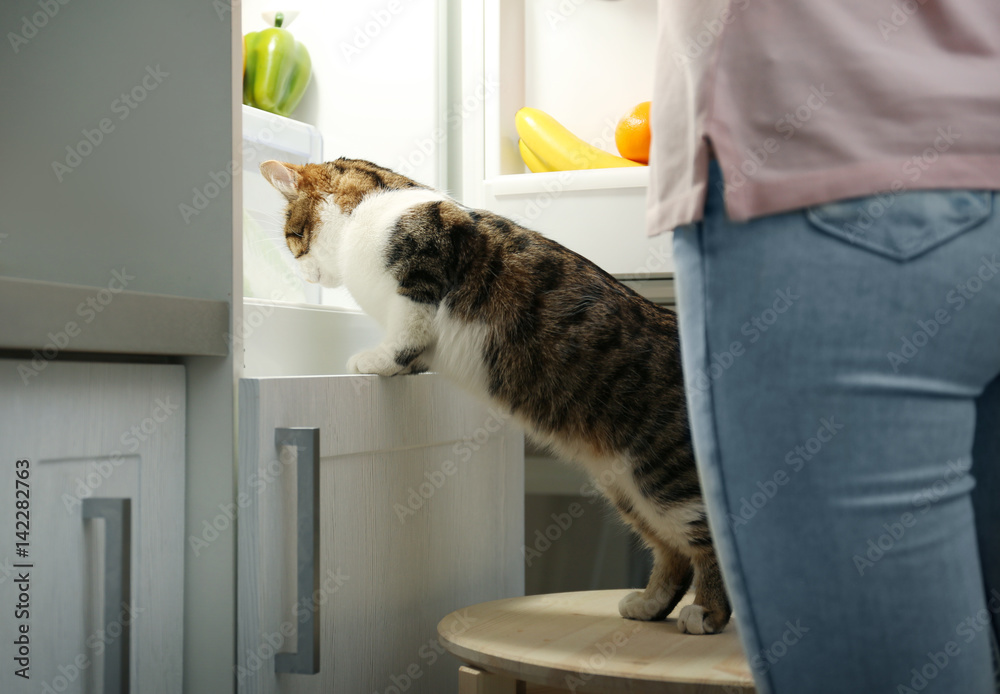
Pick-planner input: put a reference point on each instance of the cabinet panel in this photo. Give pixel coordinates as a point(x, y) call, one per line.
point(91, 432)
point(420, 513)
point(119, 137)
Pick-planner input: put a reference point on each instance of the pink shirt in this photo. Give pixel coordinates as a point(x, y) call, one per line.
point(809, 101)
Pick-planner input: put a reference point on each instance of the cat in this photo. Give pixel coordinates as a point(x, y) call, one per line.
point(589, 368)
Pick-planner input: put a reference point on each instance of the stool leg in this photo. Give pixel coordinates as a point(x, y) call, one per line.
point(474, 681)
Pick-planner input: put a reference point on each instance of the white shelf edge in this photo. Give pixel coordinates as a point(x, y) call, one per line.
point(326, 308)
point(272, 130)
point(583, 179)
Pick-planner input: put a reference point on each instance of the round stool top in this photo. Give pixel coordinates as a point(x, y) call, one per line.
point(579, 642)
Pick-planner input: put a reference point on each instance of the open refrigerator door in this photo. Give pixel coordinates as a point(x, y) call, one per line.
point(269, 270)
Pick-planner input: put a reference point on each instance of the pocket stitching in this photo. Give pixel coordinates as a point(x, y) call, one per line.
point(977, 218)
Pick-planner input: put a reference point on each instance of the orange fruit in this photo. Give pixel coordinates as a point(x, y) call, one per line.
point(632, 135)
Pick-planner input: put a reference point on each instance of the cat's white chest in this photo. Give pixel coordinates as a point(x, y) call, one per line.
point(457, 352)
point(364, 241)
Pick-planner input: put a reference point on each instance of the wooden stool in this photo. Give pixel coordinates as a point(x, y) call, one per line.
point(577, 642)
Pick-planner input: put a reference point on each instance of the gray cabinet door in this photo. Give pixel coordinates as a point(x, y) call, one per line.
point(91, 527)
point(419, 494)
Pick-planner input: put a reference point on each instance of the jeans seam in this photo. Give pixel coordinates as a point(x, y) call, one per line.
point(749, 618)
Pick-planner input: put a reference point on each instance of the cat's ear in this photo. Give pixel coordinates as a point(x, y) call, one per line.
point(284, 177)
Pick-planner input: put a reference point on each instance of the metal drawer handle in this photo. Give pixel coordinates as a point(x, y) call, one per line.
point(306, 441)
point(117, 515)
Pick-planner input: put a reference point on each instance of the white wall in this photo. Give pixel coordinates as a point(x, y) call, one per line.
point(589, 63)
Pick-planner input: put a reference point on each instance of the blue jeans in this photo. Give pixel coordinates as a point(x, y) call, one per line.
point(842, 365)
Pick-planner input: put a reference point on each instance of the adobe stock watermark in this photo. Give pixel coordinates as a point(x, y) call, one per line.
point(218, 181)
point(256, 316)
point(425, 147)
point(559, 181)
point(364, 34)
point(877, 547)
point(96, 643)
point(768, 657)
point(594, 489)
point(936, 661)
point(561, 522)
point(87, 310)
point(597, 487)
point(272, 642)
point(562, 12)
point(257, 482)
point(222, 7)
point(203, 195)
point(552, 188)
point(796, 459)
point(102, 469)
point(599, 654)
point(877, 205)
point(711, 29)
point(787, 126)
point(659, 259)
point(6, 570)
point(900, 15)
point(434, 480)
point(754, 329)
point(33, 23)
point(121, 107)
point(955, 300)
point(914, 167)
point(427, 655)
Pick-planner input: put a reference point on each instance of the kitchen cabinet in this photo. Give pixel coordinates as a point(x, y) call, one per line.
point(92, 574)
point(369, 508)
point(101, 262)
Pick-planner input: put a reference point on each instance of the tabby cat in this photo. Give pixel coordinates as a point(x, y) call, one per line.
point(588, 367)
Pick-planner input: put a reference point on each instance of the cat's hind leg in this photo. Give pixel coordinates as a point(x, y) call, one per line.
point(711, 610)
point(668, 582)
point(409, 331)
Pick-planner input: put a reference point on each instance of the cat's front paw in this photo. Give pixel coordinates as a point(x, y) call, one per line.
point(378, 360)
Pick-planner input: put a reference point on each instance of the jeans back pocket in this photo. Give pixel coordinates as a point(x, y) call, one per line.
point(903, 225)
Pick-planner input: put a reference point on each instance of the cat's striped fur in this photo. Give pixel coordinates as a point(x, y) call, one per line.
point(588, 367)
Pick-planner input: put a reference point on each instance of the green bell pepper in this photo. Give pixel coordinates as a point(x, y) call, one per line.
point(277, 69)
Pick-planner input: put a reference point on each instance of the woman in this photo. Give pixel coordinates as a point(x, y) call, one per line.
point(830, 171)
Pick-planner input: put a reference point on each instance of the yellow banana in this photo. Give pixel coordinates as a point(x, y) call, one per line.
point(535, 165)
point(558, 148)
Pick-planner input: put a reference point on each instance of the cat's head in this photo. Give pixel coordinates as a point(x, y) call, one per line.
point(321, 200)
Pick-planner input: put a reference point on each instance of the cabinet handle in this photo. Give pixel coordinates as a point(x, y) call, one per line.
point(117, 515)
point(306, 441)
